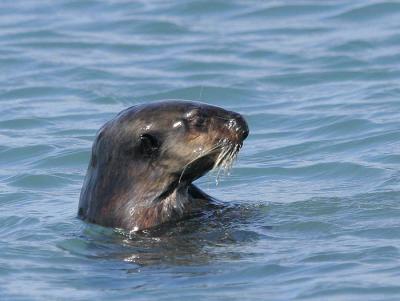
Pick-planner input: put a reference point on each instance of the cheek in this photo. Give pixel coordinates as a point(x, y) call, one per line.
point(176, 151)
point(207, 140)
point(180, 154)
point(185, 147)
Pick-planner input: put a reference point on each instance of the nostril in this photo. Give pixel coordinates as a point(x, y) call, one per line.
point(239, 125)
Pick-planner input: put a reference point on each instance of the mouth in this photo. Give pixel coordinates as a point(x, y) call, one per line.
point(220, 157)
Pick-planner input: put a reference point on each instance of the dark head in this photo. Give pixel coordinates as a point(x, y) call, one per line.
point(149, 154)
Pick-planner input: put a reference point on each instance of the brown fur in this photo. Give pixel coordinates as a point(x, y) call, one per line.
point(145, 159)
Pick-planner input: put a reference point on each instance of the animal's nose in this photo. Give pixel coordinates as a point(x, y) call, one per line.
point(239, 124)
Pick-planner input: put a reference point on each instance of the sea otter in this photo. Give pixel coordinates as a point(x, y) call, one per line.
point(144, 161)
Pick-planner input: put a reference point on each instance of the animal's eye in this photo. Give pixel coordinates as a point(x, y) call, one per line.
point(149, 144)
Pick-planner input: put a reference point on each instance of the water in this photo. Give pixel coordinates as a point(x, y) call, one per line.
point(313, 203)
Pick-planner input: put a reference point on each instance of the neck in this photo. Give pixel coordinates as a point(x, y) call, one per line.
point(124, 202)
point(175, 205)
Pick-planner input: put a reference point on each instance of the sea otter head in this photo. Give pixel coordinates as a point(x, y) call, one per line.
point(148, 155)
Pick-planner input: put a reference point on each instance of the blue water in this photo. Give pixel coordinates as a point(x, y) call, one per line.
point(313, 202)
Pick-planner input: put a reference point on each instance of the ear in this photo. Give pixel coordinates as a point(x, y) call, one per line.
point(149, 144)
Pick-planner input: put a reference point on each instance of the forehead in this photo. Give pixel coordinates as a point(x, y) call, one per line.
point(151, 116)
point(162, 112)
point(164, 109)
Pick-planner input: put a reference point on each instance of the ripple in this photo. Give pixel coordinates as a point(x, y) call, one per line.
point(74, 159)
point(220, 95)
point(24, 123)
point(38, 181)
point(41, 92)
point(280, 11)
point(353, 46)
point(344, 128)
point(24, 153)
point(16, 224)
point(314, 78)
point(311, 208)
point(320, 170)
point(371, 11)
point(206, 7)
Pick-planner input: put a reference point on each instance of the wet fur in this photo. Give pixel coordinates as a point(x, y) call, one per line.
point(127, 188)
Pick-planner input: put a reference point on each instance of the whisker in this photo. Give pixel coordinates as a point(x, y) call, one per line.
point(198, 157)
point(230, 158)
point(224, 160)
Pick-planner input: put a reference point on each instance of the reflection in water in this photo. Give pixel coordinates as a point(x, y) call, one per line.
point(196, 240)
point(318, 82)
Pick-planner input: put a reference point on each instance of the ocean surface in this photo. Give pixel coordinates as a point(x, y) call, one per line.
point(312, 205)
